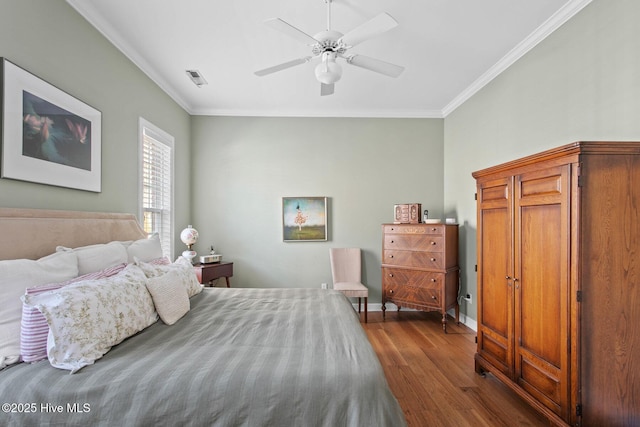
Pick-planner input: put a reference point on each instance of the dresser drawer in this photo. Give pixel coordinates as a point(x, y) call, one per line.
point(412, 295)
point(427, 243)
point(427, 260)
point(414, 278)
point(437, 229)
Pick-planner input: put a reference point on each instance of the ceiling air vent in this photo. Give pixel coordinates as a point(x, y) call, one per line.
point(196, 77)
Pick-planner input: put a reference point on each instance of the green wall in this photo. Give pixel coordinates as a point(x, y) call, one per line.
point(243, 166)
point(49, 39)
point(582, 83)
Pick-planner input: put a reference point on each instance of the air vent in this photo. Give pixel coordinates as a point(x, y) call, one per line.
point(196, 77)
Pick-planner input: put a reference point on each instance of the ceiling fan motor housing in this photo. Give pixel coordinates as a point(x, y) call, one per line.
point(328, 41)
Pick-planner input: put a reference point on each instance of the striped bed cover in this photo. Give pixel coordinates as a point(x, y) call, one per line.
point(240, 357)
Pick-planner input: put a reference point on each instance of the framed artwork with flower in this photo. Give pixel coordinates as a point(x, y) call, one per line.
point(48, 136)
point(304, 219)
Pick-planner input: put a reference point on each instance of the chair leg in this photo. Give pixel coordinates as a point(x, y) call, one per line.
point(365, 309)
point(359, 310)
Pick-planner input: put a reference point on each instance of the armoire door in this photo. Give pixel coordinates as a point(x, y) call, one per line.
point(495, 252)
point(541, 286)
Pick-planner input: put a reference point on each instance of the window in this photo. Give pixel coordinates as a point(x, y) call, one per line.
point(156, 181)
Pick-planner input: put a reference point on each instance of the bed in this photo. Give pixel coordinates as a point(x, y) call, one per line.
point(254, 357)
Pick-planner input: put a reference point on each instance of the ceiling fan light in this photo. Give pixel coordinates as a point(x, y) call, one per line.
point(328, 72)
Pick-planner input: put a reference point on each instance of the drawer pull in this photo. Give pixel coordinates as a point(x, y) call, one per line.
point(433, 259)
point(390, 291)
point(433, 243)
point(433, 229)
point(433, 297)
point(390, 256)
point(433, 280)
point(390, 274)
point(392, 241)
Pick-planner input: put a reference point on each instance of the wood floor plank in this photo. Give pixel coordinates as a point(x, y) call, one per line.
point(432, 374)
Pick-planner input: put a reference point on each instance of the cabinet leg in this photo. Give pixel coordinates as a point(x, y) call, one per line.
point(457, 314)
point(444, 322)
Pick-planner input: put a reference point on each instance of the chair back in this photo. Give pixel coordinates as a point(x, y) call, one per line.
point(346, 264)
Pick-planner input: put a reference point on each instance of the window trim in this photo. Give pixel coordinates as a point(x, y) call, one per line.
point(165, 138)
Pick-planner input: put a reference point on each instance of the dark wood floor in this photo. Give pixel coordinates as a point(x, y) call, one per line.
point(432, 374)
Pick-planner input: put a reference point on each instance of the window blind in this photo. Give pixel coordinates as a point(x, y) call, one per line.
point(157, 186)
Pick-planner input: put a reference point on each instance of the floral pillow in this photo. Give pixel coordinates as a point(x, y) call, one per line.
point(181, 266)
point(34, 328)
point(87, 318)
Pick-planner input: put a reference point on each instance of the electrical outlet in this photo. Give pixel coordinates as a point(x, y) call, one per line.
point(323, 285)
point(467, 298)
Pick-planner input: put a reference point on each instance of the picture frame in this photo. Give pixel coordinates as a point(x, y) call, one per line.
point(304, 219)
point(48, 136)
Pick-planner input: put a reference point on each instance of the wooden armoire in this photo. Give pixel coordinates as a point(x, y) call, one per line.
point(559, 281)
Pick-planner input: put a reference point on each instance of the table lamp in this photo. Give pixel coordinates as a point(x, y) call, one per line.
point(189, 237)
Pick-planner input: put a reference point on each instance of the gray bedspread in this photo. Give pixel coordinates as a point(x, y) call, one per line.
point(240, 357)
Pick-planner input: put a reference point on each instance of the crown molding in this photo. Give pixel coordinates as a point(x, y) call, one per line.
point(539, 34)
point(382, 114)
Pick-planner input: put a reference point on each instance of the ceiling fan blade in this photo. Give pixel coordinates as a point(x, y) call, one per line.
point(326, 89)
point(282, 66)
point(290, 30)
point(375, 26)
point(376, 65)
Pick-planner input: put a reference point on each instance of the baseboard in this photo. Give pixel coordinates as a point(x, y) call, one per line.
point(464, 319)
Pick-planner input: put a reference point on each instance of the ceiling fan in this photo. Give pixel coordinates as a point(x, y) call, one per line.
point(330, 45)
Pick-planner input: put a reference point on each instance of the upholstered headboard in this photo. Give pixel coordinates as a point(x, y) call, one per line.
point(34, 233)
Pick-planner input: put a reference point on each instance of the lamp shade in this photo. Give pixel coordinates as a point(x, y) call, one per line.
point(189, 236)
point(328, 72)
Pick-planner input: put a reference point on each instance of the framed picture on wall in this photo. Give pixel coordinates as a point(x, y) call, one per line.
point(48, 136)
point(304, 219)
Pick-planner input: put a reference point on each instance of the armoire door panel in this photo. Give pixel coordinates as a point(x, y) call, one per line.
point(542, 335)
point(539, 290)
point(541, 384)
point(496, 348)
point(545, 185)
point(496, 293)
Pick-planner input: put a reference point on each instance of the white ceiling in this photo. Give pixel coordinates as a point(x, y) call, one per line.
point(449, 48)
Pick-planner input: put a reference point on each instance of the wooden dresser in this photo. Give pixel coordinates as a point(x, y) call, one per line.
point(420, 267)
point(559, 281)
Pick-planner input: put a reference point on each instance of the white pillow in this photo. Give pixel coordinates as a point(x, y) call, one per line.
point(145, 249)
point(169, 296)
point(87, 318)
point(184, 268)
point(15, 277)
point(94, 258)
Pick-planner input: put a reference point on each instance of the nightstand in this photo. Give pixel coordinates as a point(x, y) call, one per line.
point(207, 273)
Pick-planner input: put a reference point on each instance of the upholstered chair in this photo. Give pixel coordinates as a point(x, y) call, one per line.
point(346, 269)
